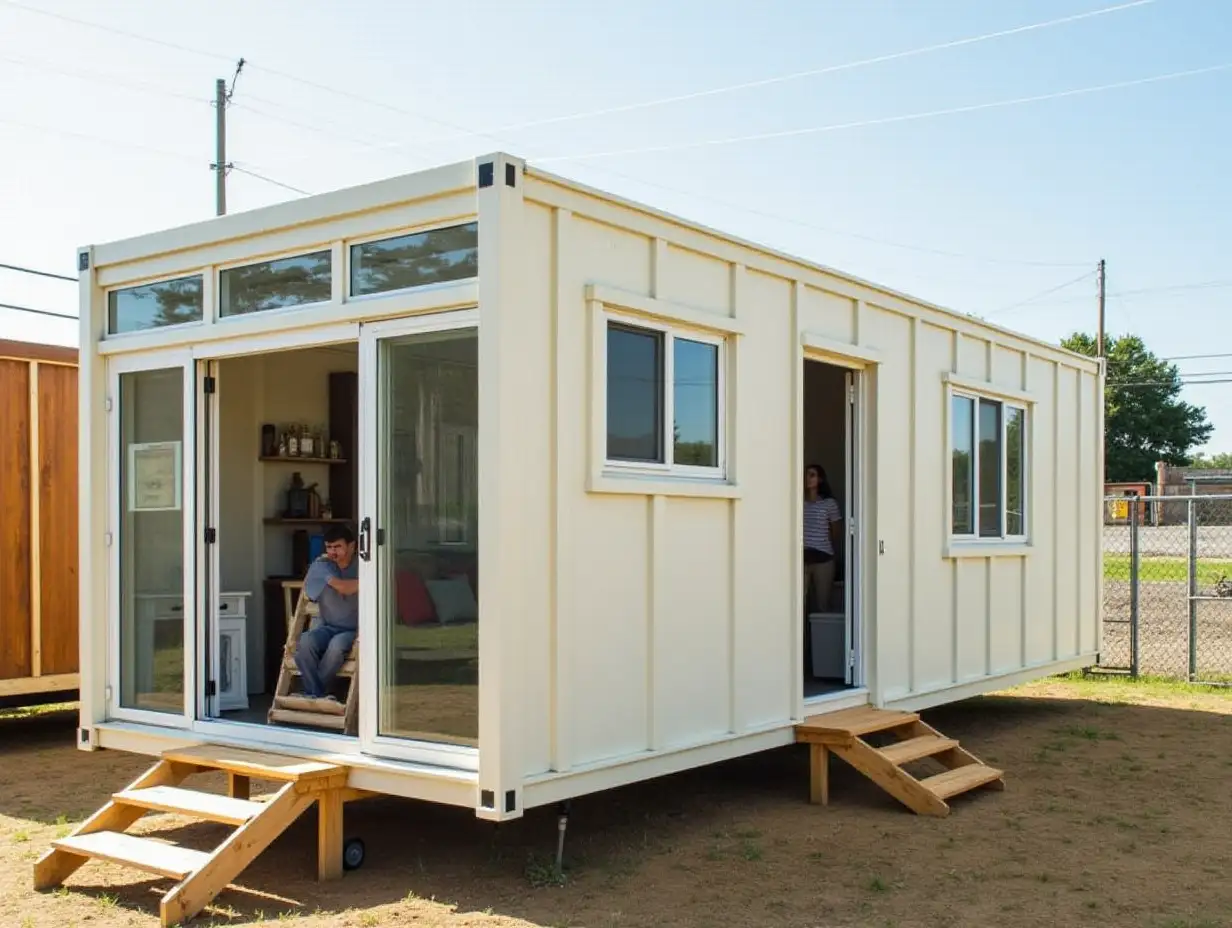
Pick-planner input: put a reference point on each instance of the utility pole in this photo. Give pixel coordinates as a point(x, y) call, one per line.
point(222, 97)
point(220, 151)
point(1100, 342)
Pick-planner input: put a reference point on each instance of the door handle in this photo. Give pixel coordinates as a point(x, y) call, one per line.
point(365, 539)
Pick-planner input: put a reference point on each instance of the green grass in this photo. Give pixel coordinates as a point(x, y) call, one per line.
point(1166, 569)
point(1120, 688)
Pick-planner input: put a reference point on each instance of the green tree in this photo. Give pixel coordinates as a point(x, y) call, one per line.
point(1145, 420)
point(1221, 461)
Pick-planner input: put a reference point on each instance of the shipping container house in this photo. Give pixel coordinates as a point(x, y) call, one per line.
point(570, 431)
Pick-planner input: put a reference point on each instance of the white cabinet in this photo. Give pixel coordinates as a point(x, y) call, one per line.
point(232, 674)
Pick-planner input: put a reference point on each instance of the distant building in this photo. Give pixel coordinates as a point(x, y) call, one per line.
point(1192, 481)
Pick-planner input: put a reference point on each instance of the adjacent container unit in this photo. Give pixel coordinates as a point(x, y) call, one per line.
point(38, 531)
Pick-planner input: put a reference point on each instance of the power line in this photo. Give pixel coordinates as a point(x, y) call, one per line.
point(115, 31)
point(93, 76)
point(843, 233)
point(115, 143)
point(1032, 299)
point(269, 180)
point(886, 120)
point(40, 312)
point(1196, 357)
point(814, 72)
point(30, 270)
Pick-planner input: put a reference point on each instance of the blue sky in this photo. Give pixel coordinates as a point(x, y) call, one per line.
point(1022, 198)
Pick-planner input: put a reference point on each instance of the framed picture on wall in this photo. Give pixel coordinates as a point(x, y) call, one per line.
point(154, 476)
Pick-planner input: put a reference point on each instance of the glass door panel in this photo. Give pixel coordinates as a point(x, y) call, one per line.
point(425, 537)
point(151, 540)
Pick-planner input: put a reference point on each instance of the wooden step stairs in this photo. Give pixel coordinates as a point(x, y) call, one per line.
point(850, 734)
point(202, 875)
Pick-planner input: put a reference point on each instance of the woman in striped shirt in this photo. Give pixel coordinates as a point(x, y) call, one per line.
point(822, 526)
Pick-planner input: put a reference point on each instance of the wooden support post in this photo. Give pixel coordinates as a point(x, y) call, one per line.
point(329, 835)
point(819, 775)
point(239, 786)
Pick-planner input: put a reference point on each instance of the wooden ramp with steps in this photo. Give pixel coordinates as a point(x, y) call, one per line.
point(202, 875)
point(880, 743)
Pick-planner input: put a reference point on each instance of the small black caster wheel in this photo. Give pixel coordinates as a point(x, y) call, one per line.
point(353, 854)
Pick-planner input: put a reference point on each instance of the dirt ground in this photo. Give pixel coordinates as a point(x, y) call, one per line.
point(1163, 631)
point(1116, 812)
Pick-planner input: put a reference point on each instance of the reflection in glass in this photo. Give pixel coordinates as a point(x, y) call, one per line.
point(284, 282)
point(990, 469)
point(428, 483)
point(695, 403)
point(151, 541)
point(962, 444)
point(415, 260)
point(1015, 470)
point(634, 395)
point(169, 302)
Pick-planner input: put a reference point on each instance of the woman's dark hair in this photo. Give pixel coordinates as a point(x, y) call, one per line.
point(339, 532)
point(823, 485)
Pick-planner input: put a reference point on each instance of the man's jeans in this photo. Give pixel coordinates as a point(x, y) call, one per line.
point(321, 653)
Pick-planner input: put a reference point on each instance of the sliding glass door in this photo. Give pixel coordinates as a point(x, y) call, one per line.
point(419, 536)
point(152, 502)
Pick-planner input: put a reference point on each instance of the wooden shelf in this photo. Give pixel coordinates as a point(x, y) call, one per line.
point(297, 460)
point(276, 520)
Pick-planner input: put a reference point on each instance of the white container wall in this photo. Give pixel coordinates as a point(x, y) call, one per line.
point(642, 584)
point(662, 614)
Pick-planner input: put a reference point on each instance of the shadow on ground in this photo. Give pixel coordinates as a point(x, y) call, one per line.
point(1112, 812)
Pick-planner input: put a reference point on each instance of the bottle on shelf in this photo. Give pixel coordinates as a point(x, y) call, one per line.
point(293, 441)
point(282, 444)
point(306, 443)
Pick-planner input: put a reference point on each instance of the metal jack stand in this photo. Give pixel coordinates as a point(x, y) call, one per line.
point(562, 822)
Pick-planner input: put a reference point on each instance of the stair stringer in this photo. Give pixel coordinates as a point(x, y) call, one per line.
point(891, 778)
point(56, 866)
point(229, 859)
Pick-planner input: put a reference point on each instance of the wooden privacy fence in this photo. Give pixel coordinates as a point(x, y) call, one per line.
point(38, 519)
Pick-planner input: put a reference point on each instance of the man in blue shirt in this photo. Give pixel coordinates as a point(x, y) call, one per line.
point(332, 583)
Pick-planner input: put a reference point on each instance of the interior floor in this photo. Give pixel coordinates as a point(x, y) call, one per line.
point(814, 687)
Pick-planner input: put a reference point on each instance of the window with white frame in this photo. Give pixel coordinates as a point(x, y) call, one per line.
point(664, 398)
point(988, 456)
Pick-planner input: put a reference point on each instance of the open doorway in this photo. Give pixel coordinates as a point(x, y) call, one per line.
point(830, 619)
point(284, 467)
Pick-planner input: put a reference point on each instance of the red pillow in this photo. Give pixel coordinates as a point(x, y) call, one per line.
point(414, 604)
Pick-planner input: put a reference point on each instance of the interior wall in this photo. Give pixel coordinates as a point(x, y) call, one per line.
point(825, 424)
point(278, 388)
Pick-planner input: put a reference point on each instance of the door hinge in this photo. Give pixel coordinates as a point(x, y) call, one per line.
point(211, 688)
point(851, 658)
point(851, 394)
point(210, 384)
point(851, 530)
point(211, 536)
point(107, 695)
point(107, 404)
point(107, 536)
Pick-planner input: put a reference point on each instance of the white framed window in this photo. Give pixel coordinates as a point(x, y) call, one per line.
point(988, 468)
point(664, 403)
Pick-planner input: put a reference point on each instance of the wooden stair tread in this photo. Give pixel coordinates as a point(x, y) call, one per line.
point(190, 802)
point(301, 703)
point(258, 764)
point(347, 669)
point(852, 723)
point(314, 719)
point(904, 752)
point(167, 860)
point(960, 780)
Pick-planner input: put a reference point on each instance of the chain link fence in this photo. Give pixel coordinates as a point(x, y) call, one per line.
point(1168, 587)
